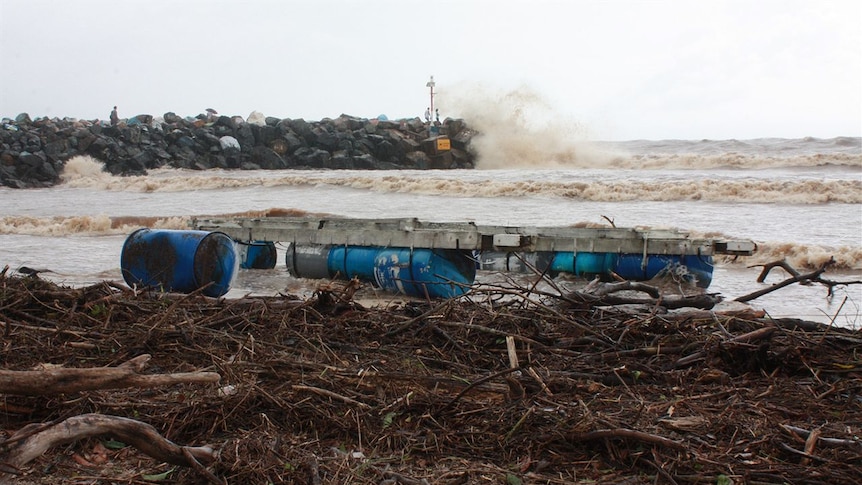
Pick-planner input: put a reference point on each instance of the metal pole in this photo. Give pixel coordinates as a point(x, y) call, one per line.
point(431, 84)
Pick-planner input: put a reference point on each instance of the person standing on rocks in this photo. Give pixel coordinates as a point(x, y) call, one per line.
point(437, 114)
point(115, 118)
point(427, 115)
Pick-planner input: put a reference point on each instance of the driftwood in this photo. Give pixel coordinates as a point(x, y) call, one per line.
point(31, 441)
point(597, 395)
point(49, 382)
point(601, 294)
point(796, 277)
point(746, 338)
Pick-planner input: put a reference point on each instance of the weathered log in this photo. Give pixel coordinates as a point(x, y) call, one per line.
point(601, 294)
point(608, 288)
point(49, 382)
point(32, 441)
point(597, 293)
point(704, 302)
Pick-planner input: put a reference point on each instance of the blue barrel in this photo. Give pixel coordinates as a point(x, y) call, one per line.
point(348, 262)
point(583, 264)
point(257, 255)
point(181, 261)
point(431, 273)
point(692, 268)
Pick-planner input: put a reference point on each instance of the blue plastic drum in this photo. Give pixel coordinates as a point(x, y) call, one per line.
point(692, 268)
point(583, 264)
point(347, 262)
point(180, 261)
point(257, 255)
point(425, 272)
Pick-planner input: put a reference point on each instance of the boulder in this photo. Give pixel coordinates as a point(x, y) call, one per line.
point(227, 142)
point(172, 118)
point(266, 158)
point(256, 118)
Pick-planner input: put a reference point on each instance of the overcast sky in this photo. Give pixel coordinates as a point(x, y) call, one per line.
point(672, 69)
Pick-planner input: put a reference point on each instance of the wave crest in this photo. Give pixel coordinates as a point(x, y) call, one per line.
point(83, 167)
point(804, 191)
point(803, 257)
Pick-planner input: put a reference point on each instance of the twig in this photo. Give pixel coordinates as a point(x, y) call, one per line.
point(324, 392)
point(753, 336)
point(787, 447)
point(474, 384)
point(835, 442)
point(398, 478)
point(200, 468)
point(626, 433)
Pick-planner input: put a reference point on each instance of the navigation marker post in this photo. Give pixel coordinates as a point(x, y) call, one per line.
point(431, 85)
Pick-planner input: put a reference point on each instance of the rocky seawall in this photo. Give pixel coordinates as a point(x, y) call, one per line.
point(34, 152)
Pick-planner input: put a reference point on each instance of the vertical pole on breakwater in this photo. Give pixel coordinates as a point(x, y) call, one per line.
point(431, 85)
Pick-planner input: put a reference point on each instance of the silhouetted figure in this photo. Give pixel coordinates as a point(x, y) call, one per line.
point(115, 118)
point(437, 114)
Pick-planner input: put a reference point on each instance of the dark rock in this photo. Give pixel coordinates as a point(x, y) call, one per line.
point(303, 129)
point(312, 157)
point(279, 145)
point(140, 162)
point(348, 123)
point(266, 158)
point(341, 160)
point(245, 137)
point(416, 125)
point(454, 127)
point(227, 122)
point(185, 141)
point(55, 149)
point(35, 166)
point(324, 139)
point(131, 134)
point(141, 119)
point(294, 143)
point(461, 159)
point(264, 135)
point(419, 160)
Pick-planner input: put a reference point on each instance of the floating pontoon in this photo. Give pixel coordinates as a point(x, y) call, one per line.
point(440, 259)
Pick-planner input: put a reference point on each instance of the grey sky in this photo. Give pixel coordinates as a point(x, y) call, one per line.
point(621, 69)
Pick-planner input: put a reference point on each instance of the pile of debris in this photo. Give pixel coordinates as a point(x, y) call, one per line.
point(506, 385)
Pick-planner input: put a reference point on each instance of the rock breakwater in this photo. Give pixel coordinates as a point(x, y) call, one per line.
point(33, 152)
